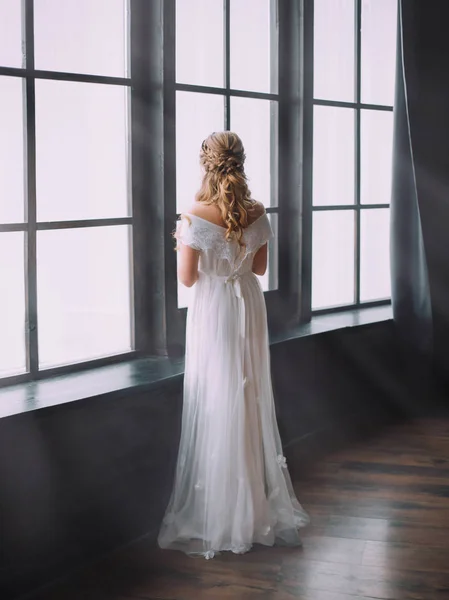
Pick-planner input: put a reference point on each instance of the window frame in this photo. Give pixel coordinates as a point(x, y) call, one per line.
point(30, 226)
point(227, 93)
point(283, 303)
point(357, 105)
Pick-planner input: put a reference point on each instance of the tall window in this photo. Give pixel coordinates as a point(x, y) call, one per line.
point(315, 116)
point(354, 74)
point(65, 210)
point(227, 78)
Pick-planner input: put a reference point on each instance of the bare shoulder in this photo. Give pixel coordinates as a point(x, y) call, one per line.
point(208, 212)
point(196, 209)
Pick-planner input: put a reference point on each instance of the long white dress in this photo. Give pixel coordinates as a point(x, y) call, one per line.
point(232, 487)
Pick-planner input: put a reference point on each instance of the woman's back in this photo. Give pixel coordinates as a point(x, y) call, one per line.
point(210, 212)
point(202, 230)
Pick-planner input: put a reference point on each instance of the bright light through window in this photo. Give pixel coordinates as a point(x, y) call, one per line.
point(352, 150)
point(65, 219)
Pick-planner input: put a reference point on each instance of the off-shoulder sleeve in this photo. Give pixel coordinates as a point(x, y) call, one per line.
point(187, 233)
point(264, 230)
point(259, 233)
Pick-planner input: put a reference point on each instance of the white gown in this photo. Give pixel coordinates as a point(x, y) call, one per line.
point(232, 487)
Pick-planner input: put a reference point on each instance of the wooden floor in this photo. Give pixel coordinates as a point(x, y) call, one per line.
point(380, 529)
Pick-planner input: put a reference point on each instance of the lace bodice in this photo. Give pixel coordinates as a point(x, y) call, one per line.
point(218, 255)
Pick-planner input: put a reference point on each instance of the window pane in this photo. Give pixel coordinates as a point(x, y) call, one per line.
point(82, 36)
point(269, 281)
point(83, 294)
point(12, 180)
point(254, 45)
point(376, 156)
point(256, 122)
point(81, 150)
point(11, 54)
point(200, 42)
point(184, 295)
point(12, 304)
point(375, 254)
point(333, 259)
point(333, 156)
point(334, 50)
point(379, 22)
point(197, 116)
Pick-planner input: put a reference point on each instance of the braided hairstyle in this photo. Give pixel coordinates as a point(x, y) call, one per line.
point(224, 182)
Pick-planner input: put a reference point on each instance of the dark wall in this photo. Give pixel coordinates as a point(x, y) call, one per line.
point(426, 57)
point(83, 478)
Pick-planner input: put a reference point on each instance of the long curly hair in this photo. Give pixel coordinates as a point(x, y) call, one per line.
point(224, 182)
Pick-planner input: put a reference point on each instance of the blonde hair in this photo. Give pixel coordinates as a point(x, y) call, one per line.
point(224, 182)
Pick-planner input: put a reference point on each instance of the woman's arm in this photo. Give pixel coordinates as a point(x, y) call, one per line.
point(187, 265)
point(260, 260)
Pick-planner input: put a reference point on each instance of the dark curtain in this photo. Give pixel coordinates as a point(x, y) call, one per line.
point(409, 276)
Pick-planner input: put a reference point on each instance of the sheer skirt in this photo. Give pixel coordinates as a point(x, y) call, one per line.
point(232, 487)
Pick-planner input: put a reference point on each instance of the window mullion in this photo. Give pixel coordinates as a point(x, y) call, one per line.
point(227, 65)
point(31, 261)
point(172, 326)
point(149, 102)
point(307, 160)
point(358, 28)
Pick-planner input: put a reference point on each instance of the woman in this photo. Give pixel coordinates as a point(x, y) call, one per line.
point(232, 487)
